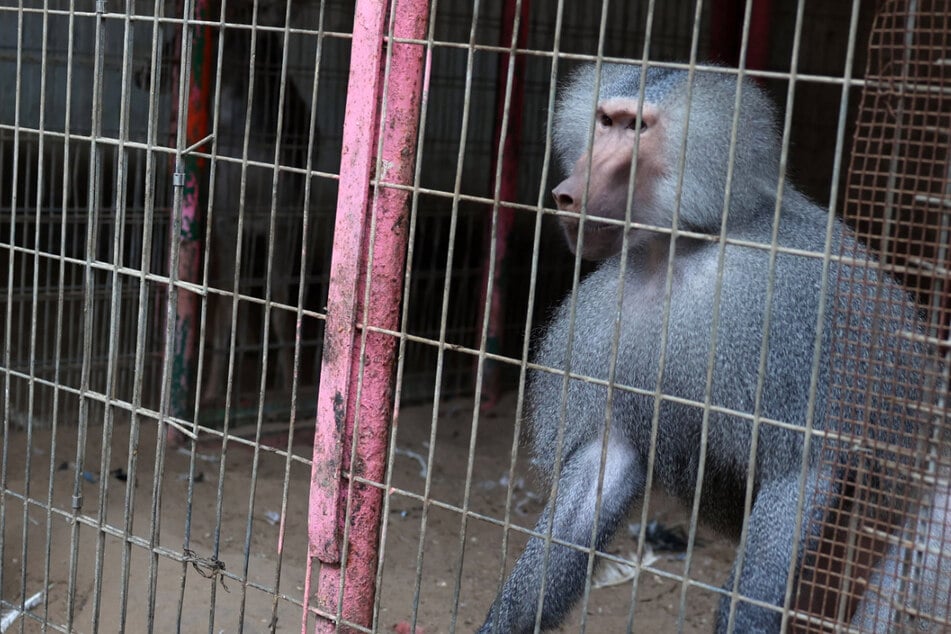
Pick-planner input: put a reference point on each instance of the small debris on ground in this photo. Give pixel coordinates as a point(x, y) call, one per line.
point(409, 453)
point(662, 538)
point(207, 457)
point(10, 617)
point(519, 502)
point(611, 572)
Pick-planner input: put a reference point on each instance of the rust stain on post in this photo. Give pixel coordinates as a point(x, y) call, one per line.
point(191, 235)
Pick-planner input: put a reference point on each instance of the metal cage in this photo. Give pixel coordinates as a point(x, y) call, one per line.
point(273, 275)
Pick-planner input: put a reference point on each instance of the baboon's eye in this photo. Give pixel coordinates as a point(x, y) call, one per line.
point(633, 125)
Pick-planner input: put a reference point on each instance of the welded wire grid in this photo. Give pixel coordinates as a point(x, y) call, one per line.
point(100, 526)
point(431, 509)
point(86, 191)
point(898, 199)
point(89, 142)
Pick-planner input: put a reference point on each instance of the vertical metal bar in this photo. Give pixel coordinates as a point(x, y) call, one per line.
point(559, 457)
point(113, 342)
point(8, 325)
point(34, 317)
point(88, 309)
point(347, 576)
point(530, 308)
point(407, 300)
point(233, 345)
point(641, 538)
point(824, 282)
point(444, 304)
point(515, 17)
point(141, 336)
point(209, 222)
point(851, 551)
point(767, 317)
point(505, 182)
point(268, 284)
point(181, 104)
point(717, 288)
point(60, 309)
point(192, 170)
point(301, 294)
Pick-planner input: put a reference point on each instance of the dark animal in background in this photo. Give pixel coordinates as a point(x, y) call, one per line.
point(237, 74)
point(705, 309)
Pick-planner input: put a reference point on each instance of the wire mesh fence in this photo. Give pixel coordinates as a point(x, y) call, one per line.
point(898, 184)
point(332, 418)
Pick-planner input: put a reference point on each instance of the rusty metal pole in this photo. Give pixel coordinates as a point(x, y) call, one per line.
point(189, 174)
point(338, 505)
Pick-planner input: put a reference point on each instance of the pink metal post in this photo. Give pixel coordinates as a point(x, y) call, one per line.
point(337, 409)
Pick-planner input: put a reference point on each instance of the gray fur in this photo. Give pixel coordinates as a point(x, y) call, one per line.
point(874, 368)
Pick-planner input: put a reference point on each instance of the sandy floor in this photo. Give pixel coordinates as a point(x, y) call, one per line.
point(239, 529)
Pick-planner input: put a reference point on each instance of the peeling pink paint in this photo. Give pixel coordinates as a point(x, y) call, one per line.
point(338, 413)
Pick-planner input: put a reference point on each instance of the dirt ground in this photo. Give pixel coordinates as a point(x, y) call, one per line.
point(232, 518)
